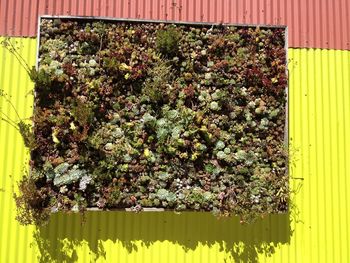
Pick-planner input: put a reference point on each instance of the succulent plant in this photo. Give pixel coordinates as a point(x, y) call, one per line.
point(167, 41)
point(64, 174)
point(221, 155)
point(214, 106)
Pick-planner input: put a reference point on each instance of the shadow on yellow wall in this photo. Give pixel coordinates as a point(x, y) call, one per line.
point(189, 229)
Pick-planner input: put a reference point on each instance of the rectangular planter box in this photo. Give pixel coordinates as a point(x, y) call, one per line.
point(198, 72)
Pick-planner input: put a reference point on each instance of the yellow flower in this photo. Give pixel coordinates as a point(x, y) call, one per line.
point(146, 153)
point(72, 126)
point(183, 155)
point(197, 145)
point(54, 137)
point(127, 76)
point(194, 156)
point(204, 128)
point(123, 66)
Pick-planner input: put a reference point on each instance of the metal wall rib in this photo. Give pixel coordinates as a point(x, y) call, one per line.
point(312, 23)
point(318, 230)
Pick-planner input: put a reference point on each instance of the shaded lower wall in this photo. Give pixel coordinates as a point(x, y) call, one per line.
point(190, 236)
point(316, 230)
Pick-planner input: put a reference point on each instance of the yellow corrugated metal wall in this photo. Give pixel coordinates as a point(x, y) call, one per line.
point(316, 230)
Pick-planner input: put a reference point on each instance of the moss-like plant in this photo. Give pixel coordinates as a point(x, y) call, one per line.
point(25, 129)
point(40, 77)
point(156, 86)
point(32, 202)
point(167, 41)
point(82, 112)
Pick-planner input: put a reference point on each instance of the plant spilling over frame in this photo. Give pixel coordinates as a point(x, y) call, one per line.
point(141, 114)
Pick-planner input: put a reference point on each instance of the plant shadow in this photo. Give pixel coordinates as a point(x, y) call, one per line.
point(57, 240)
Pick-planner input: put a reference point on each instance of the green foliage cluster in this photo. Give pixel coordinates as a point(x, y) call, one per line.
point(168, 41)
point(155, 87)
point(82, 113)
point(27, 134)
point(32, 202)
point(40, 77)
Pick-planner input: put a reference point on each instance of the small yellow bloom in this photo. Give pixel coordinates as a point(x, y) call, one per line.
point(123, 66)
point(54, 137)
point(194, 156)
point(72, 126)
point(193, 54)
point(183, 155)
point(146, 153)
point(197, 145)
point(130, 124)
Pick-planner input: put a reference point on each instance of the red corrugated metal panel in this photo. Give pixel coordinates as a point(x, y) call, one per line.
point(312, 23)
